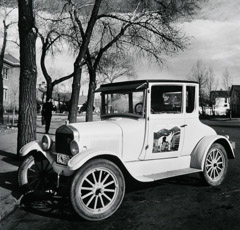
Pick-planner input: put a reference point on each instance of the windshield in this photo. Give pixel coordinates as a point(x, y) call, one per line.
point(123, 103)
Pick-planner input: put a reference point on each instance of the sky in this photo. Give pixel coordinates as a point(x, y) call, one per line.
point(214, 39)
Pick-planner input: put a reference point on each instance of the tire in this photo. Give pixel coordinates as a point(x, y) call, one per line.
point(36, 174)
point(97, 190)
point(215, 165)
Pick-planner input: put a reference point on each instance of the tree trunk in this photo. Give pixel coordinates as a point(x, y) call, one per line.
point(49, 90)
point(90, 100)
point(1, 69)
point(28, 74)
point(78, 63)
point(72, 116)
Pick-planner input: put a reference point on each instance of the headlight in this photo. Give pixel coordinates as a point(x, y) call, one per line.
point(74, 147)
point(46, 142)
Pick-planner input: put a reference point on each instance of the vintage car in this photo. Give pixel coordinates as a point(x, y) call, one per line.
point(149, 129)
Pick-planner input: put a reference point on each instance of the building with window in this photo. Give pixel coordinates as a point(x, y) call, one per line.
point(10, 73)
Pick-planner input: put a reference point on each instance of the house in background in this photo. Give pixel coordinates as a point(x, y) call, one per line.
point(220, 102)
point(235, 100)
point(60, 99)
point(11, 73)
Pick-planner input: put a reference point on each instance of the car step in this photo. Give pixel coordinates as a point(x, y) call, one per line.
point(163, 175)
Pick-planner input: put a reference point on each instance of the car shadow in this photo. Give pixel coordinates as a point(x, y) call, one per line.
point(8, 181)
point(48, 205)
point(60, 207)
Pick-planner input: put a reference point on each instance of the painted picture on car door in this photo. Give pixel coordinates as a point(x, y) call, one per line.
point(166, 140)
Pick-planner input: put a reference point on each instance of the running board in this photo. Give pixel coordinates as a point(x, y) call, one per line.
point(163, 175)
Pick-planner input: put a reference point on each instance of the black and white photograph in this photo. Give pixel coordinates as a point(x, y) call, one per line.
point(119, 114)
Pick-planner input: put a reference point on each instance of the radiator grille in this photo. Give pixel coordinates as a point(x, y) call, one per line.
point(64, 136)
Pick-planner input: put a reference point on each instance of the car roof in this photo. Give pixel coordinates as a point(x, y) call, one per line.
point(136, 84)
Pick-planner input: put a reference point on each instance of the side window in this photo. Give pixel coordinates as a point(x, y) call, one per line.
point(5, 73)
point(166, 99)
point(190, 99)
point(5, 94)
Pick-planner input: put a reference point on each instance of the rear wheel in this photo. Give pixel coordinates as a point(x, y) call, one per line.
point(216, 165)
point(97, 190)
point(36, 174)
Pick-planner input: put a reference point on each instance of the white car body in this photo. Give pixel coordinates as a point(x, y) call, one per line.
point(128, 141)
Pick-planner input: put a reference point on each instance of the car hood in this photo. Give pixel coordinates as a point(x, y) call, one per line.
point(102, 135)
point(96, 128)
point(117, 135)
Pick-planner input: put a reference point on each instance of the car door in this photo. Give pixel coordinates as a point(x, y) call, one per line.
point(166, 123)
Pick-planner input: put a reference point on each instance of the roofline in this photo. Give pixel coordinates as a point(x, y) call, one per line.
point(148, 81)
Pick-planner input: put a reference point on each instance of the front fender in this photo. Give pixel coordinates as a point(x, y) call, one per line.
point(80, 159)
point(29, 147)
point(200, 151)
point(35, 146)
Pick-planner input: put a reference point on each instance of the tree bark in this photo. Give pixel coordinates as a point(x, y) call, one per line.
point(72, 116)
point(4, 44)
point(90, 100)
point(28, 74)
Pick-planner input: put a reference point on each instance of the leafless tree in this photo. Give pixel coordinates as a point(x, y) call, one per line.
point(147, 26)
point(212, 84)
point(227, 83)
point(200, 73)
point(83, 44)
point(227, 80)
point(113, 66)
point(54, 30)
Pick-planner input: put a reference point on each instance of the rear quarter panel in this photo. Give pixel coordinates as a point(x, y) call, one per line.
point(199, 153)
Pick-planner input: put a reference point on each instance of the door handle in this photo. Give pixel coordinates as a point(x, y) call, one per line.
point(182, 126)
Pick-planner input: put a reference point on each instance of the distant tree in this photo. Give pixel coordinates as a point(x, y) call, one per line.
point(114, 66)
point(227, 83)
point(200, 73)
point(212, 82)
point(28, 73)
point(227, 80)
point(6, 12)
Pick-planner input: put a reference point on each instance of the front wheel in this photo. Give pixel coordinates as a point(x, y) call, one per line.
point(97, 190)
point(36, 174)
point(215, 165)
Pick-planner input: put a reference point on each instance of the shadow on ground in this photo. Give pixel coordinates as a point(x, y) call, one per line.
point(9, 158)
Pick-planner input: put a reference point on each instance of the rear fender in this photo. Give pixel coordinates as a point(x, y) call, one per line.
point(80, 159)
point(35, 146)
point(200, 151)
